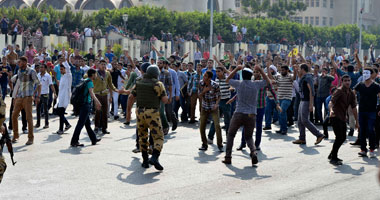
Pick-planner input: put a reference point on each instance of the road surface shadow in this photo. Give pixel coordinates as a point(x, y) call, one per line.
point(137, 177)
point(51, 138)
point(308, 150)
point(347, 169)
point(73, 150)
point(275, 136)
point(247, 173)
point(204, 158)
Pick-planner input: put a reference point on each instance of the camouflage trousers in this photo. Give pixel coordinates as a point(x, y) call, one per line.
point(149, 119)
point(3, 167)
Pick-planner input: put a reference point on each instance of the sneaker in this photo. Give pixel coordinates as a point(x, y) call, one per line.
point(267, 128)
point(116, 117)
point(258, 148)
point(46, 126)
point(203, 148)
point(105, 132)
point(126, 123)
point(241, 147)
point(96, 130)
point(254, 159)
point(209, 141)
point(37, 126)
point(166, 131)
point(336, 162)
point(67, 127)
point(330, 157)
point(221, 149)
point(227, 161)
point(362, 154)
point(193, 121)
point(29, 142)
point(319, 140)
point(299, 142)
point(59, 132)
point(372, 154)
point(137, 150)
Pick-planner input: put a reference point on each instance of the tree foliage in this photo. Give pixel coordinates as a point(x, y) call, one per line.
point(146, 21)
point(281, 9)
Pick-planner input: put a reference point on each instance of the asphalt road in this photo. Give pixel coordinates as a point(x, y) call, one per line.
point(51, 169)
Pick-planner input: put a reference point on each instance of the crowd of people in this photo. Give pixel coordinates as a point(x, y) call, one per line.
point(246, 91)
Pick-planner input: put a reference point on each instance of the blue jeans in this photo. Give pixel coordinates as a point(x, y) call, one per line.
point(259, 128)
point(184, 106)
point(366, 123)
point(226, 110)
point(4, 87)
point(123, 102)
point(318, 108)
point(270, 109)
point(282, 118)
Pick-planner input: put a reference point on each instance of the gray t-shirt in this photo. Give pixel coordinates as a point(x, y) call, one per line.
point(247, 92)
point(324, 85)
point(182, 78)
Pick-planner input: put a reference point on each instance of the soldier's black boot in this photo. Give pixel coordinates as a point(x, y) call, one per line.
point(154, 160)
point(145, 163)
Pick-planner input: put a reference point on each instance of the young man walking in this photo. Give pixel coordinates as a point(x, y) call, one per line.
point(46, 83)
point(246, 109)
point(84, 119)
point(341, 99)
point(27, 78)
point(209, 92)
point(368, 94)
point(307, 93)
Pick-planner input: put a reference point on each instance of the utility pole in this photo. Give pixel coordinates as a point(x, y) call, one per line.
point(211, 25)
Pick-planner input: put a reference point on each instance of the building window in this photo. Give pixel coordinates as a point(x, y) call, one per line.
point(312, 3)
point(306, 20)
point(324, 21)
point(307, 2)
point(317, 3)
point(317, 21)
point(237, 3)
point(325, 3)
point(331, 21)
point(331, 3)
point(312, 21)
point(297, 19)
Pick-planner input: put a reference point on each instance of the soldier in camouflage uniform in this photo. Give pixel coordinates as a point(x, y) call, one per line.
point(149, 92)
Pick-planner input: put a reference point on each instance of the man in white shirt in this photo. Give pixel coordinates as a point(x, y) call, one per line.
point(88, 32)
point(46, 82)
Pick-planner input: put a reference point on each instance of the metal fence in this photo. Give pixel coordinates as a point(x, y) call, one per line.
point(145, 47)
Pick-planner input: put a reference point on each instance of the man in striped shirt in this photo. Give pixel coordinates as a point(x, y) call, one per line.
point(285, 87)
point(225, 95)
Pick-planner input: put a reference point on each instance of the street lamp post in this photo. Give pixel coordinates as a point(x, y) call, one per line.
point(211, 25)
point(125, 19)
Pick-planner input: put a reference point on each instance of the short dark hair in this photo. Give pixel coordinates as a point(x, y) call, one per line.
point(346, 61)
point(43, 65)
point(305, 67)
point(209, 74)
point(23, 58)
point(91, 72)
point(285, 67)
point(190, 63)
point(346, 76)
point(220, 68)
point(350, 68)
point(103, 61)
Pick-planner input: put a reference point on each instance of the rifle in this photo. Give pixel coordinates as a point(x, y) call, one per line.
point(5, 139)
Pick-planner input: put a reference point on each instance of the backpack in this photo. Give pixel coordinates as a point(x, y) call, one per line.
point(78, 96)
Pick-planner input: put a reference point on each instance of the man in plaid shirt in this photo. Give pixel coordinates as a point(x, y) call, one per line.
point(27, 79)
point(209, 92)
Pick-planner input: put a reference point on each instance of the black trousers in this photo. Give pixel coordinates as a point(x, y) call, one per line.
point(23, 118)
point(290, 112)
point(43, 103)
point(340, 131)
point(83, 121)
point(62, 118)
point(377, 126)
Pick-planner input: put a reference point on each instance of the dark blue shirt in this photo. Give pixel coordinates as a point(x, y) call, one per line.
point(4, 74)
